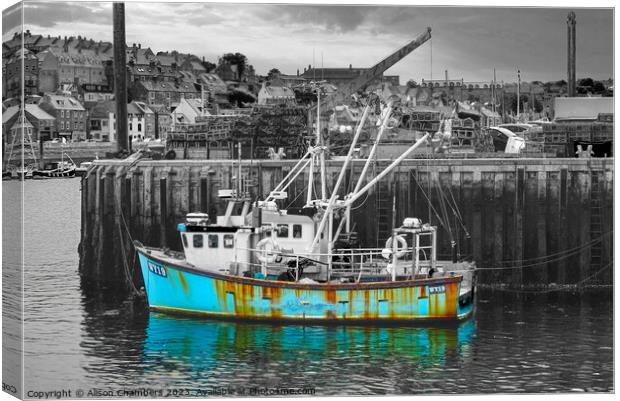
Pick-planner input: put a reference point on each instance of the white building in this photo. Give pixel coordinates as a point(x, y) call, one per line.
point(188, 110)
point(271, 94)
point(141, 121)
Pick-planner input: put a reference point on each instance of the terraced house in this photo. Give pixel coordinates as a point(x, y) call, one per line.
point(69, 113)
point(13, 70)
point(60, 66)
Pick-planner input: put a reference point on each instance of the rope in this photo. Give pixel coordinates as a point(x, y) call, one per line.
point(442, 204)
point(541, 263)
point(125, 265)
point(457, 212)
point(564, 287)
point(126, 268)
point(564, 252)
point(430, 203)
point(297, 197)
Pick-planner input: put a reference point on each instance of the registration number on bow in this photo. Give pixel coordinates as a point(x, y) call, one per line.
point(437, 289)
point(157, 269)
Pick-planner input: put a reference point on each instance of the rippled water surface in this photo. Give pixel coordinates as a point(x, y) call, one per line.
point(554, 342)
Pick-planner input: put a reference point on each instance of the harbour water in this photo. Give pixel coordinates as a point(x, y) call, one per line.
point(516, 342)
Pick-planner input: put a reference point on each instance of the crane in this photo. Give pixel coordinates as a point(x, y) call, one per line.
point(345, 91)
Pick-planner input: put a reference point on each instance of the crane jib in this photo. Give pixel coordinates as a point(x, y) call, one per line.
point(373, 72)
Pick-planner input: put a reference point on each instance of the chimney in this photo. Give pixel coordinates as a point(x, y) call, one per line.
point(27, 32)
point(446, 76)
point(133, 45)
point(572, 39)
point(139, 45)
point(298, 72)
point(350, 66)
point(48, 35)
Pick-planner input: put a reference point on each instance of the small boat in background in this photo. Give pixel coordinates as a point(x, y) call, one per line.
point(83, 168)
point(62, 169)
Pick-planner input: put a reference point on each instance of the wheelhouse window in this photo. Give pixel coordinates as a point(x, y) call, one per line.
point(184, 238)
point(296, 230)
point(213, 239)
point(282, 230)
point(229, 241)
point(197, 240)
point(267, 233)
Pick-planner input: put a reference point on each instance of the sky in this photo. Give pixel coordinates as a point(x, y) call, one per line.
point(469, 42)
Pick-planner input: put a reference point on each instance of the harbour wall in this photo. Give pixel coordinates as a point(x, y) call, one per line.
point(532, 222)
point(52, 152)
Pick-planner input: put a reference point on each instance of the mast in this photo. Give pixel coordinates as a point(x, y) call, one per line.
point(319, 141)
point(373, 150)
point(518, 92)
point(332, 201)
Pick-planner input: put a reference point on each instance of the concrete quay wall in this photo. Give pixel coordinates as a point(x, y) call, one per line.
point(532, 222)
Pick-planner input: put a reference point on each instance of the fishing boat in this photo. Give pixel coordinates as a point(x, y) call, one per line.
point(61, 169)
point(56, 170)
point(289, 265)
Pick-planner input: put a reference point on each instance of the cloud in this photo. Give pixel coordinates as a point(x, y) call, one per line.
point(49, 15)
point(467, 41)
point(331, 18)
point(11, 19)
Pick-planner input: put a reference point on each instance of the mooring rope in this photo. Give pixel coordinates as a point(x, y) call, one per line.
point(126, 268)
point(125, 265)
point(563, 287)
point(541, 259)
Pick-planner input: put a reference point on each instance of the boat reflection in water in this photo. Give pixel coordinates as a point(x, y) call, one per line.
point(327, 358)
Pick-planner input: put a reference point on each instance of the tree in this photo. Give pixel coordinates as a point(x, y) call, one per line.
point(209, 66)
point(598, 87)
point(274, 72)
point(237, 59)
point(412, 84)
point(588, 82)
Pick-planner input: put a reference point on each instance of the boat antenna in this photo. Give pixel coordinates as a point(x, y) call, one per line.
point(313, 66)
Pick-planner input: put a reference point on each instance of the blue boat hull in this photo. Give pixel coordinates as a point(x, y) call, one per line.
point(176, 287)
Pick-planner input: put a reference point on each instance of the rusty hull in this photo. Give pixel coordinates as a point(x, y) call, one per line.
point(175, 286)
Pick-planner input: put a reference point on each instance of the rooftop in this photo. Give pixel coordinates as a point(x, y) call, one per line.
point(32, 109)
point(63, 102)
point(166, 86)
point(278, 91)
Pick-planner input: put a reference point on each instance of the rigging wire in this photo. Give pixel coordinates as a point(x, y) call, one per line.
point(442, 204)
point(431, 207)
